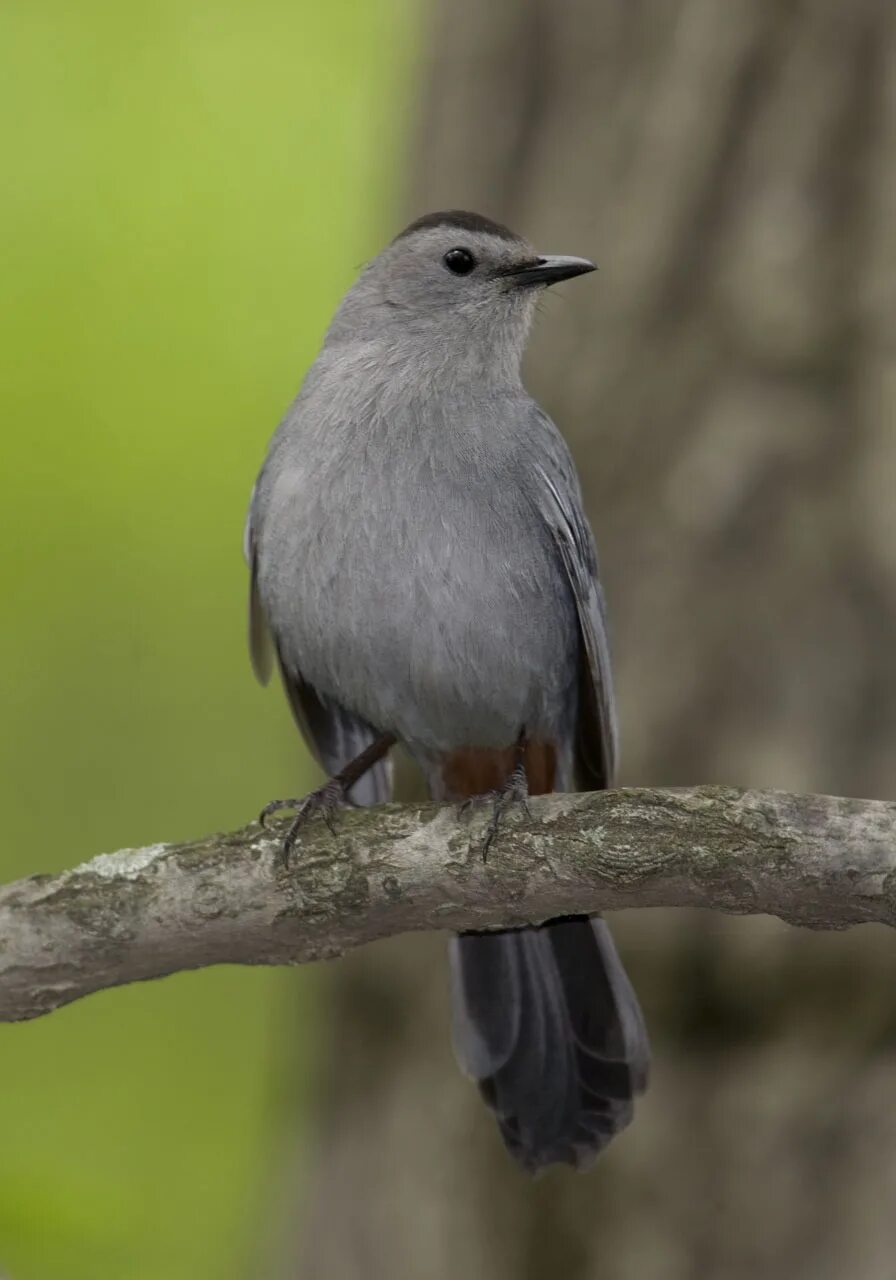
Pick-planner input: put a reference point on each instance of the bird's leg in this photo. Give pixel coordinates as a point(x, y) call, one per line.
point(327, 799)
point(514, 790)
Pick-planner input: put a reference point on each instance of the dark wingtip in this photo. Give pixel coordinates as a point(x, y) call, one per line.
point(462, 220)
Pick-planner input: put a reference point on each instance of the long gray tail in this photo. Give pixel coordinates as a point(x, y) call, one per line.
point(547, 1023)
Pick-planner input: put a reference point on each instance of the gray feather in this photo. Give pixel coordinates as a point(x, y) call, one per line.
point(546, 1021)
point(334, 735)
point(261, 645)
point(560, 503)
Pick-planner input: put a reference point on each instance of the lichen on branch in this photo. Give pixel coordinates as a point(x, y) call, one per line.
point(821, 861)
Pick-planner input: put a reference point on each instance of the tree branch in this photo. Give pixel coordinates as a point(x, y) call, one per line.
point(820, 861)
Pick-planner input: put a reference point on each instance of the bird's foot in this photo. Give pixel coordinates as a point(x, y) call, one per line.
point(324, 801)
point(514, 791)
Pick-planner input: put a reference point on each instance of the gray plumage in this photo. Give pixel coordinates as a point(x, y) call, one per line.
point(421, 565)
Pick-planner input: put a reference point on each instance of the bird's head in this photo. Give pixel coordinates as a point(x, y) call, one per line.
point(452, 286)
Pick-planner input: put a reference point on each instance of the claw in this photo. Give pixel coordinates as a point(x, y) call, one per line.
point(325, 800)
point(274, 805)
point(514, 791)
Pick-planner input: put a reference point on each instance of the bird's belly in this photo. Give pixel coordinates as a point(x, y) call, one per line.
point(439, 638)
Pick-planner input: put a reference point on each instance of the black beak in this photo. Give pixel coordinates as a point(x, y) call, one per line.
point(550, 269)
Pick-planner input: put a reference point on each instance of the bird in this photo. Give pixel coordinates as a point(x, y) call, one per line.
point(423, 573)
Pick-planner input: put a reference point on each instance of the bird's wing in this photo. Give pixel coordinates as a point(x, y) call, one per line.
point(261, 642)
point(334, 735)
point(559, 500)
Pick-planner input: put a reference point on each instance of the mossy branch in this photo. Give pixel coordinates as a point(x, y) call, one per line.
point(819, 861)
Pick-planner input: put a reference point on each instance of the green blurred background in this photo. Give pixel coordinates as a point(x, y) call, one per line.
point(187, 188)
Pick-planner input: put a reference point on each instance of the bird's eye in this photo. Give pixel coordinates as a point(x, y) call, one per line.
point(460, 261)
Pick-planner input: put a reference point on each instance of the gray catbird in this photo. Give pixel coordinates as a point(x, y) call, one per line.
point(424, 572)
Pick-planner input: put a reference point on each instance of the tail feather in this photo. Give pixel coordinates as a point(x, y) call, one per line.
point(546, 1021)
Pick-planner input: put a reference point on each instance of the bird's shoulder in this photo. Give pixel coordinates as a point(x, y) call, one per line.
point(553, 483)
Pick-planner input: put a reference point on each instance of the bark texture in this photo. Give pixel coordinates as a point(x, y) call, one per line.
point(820, 861)
point(728, 385)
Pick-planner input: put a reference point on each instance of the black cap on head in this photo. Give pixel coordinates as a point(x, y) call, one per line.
point(461, 219)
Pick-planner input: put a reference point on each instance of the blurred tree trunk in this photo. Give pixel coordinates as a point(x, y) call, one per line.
point(728, 385)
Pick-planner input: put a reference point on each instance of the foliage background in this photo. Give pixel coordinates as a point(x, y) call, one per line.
point(187, 188)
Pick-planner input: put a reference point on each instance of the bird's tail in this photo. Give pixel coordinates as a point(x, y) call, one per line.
point(547, 1023)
